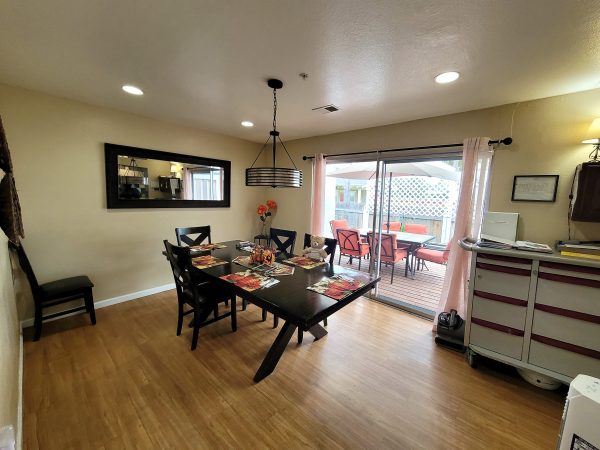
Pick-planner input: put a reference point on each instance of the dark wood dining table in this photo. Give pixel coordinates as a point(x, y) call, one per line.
point(289, 299)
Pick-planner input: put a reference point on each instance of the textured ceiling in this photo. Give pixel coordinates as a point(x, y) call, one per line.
point(204, 63)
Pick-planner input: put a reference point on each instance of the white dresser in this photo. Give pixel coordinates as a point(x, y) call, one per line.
point(535, 311)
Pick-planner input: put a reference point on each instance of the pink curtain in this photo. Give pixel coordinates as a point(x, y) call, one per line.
point(317, 213)
point(472, 202)
point(187, 184)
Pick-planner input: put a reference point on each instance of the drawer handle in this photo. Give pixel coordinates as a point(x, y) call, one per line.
point(568, 313)
point(500, 298)
point(503, 269)
point(497, 327)
point(569, 280)
point(566, 346)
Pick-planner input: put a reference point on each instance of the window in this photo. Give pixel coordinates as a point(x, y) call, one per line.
point(206, 184)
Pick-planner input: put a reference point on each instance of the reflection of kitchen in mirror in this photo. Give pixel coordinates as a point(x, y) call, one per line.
point(153, 179)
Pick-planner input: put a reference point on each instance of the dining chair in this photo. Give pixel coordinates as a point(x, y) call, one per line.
point(199, 296)
point(390, 252)
point(392, 226)
point(330, 245)
point(285, 246)
point(435, 253)
point(335, 224)
point(192, 236)
point(55, 293)
point(351, 245)
point(415, 228)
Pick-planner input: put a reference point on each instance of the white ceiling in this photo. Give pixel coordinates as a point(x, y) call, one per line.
point(205, 63)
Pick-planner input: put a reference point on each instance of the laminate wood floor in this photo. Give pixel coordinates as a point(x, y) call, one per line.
point(376, 381)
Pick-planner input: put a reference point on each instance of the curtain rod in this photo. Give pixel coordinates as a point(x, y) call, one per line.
point(505, 141)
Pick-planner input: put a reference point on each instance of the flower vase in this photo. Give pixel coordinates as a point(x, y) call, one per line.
point(264, 231)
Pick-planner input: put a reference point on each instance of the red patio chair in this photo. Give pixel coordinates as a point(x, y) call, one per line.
point(392, 226)
point(390, 252)
point(350, 245)
point(335, 224)
point(432, 254)
point(415, 228)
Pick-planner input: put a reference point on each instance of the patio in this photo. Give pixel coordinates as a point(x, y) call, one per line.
point(423, 291)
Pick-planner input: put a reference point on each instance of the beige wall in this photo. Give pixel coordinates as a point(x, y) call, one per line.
point(58, 156)
point(546, 136)
point(9, 341)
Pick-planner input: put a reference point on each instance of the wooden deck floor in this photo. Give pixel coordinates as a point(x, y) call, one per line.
point(423, 291)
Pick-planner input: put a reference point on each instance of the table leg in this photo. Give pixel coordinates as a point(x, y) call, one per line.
point(317, 331)
point(275, 352)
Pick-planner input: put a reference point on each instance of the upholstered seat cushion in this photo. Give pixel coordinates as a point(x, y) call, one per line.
point(435, 256)
point(65, 287)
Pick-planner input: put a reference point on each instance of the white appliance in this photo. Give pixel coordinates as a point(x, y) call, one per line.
point(581, 417)
point(500, 227)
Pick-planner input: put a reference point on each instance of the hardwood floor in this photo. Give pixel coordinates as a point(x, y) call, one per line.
point(376, 380)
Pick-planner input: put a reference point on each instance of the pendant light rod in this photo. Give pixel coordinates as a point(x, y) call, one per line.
point(274, 176)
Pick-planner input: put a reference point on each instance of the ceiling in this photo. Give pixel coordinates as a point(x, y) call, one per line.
point(205, 63)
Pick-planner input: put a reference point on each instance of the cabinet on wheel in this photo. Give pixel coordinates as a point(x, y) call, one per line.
point(537, 312)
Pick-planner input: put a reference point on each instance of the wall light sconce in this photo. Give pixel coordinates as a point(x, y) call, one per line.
point(593, 137)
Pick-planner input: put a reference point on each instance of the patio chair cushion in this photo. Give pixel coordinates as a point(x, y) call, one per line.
point(415, 228)
point(432, 255)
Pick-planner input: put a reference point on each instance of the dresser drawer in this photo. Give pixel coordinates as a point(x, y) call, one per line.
point(562, 361)
point(488, 279)
point(500, 310)
point(553, 323)
point(564, 292)
point(498, 341)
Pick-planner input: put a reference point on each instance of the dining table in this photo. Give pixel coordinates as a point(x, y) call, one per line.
point(411, 241)
point(289, 299)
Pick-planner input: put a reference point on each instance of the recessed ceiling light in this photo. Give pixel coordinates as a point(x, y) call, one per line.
point(447, 77)
point(132, 90)
point(247, 123)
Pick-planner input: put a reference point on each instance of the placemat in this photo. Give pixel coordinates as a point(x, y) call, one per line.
point(338, 287)
point(249, 280)
point(305, 263)
point(206, 261)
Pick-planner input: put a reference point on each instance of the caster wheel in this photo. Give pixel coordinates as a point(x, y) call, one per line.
point(472, 358)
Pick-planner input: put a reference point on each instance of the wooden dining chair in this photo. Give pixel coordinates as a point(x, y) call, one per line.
point(416, 228)
point(55, 293)
point(351, 245)
point(192, 236)
point(284, 240)
point(330, 246)
point(191, 292)
point(390, 252)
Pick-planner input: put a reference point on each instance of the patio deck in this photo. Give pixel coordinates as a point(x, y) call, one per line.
point(423, 291)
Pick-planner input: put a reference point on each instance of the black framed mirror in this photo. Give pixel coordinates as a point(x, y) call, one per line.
point(143, 178)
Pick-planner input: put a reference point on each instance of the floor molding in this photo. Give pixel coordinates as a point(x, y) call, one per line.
point(112, 301)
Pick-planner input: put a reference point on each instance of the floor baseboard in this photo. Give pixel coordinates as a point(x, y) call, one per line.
point(112, 301)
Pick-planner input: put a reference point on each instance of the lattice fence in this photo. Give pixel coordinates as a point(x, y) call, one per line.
point(418, 196)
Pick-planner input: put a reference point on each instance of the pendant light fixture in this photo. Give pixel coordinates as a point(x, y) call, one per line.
point(274, 176)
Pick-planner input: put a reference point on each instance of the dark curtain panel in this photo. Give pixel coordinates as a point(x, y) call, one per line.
point(10, 210)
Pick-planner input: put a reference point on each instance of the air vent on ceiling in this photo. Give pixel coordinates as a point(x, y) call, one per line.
point(326, 109)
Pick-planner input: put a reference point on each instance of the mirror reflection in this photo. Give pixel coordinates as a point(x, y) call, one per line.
point(153, 179)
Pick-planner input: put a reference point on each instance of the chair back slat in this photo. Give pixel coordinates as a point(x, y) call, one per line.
point(388, 244)
point(179, 258)
point(330, 246)
point(26, 267)
point(285, 246)
point(192, 236)
point(348, 239)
